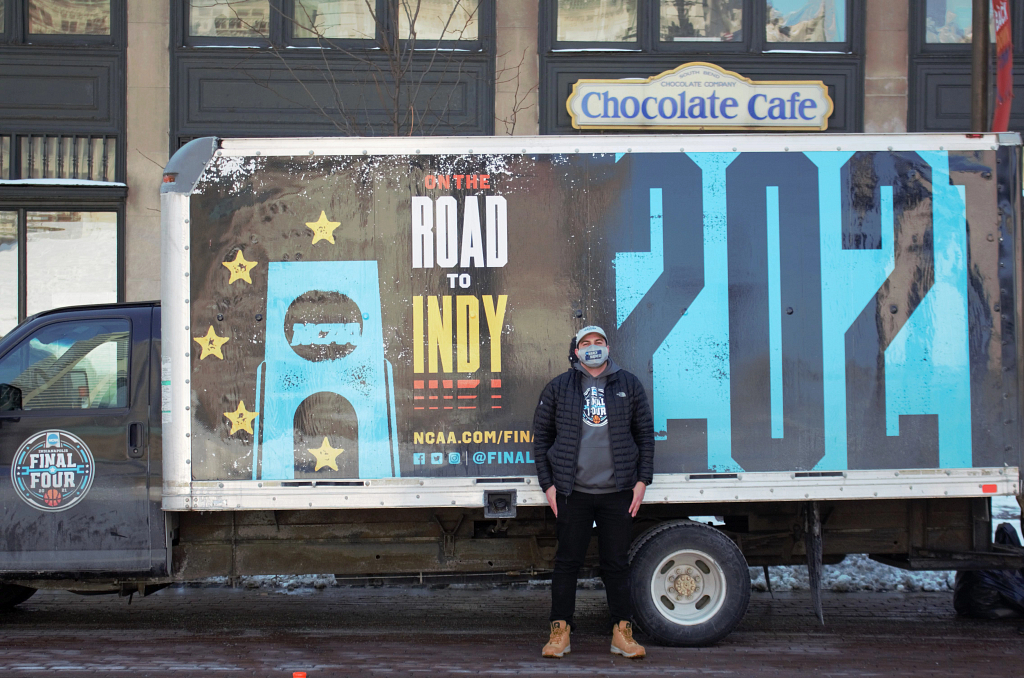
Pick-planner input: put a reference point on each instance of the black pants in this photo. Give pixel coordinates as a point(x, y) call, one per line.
point(577, 514)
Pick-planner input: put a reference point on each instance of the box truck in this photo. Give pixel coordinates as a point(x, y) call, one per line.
point(352, 335)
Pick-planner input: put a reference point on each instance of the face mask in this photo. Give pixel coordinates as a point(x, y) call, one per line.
point(594, 356)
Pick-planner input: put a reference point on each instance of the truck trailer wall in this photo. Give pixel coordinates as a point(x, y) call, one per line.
point(396, 315)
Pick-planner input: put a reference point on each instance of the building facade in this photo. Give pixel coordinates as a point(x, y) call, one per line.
point(98, 93)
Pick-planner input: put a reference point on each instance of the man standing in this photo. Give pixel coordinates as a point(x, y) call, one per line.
point(594, 450)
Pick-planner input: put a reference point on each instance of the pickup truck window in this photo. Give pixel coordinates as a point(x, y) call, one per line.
point(68, 365)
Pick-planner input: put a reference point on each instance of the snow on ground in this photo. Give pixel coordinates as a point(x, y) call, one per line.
point(860, 573)
point(1006, 510)
point(855, 573)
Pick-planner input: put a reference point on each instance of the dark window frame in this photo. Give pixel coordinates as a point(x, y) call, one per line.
point(99, 199)
point(753, 42)
point(280, 31)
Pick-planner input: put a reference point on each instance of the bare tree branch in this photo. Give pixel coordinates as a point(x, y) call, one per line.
point(413, 83)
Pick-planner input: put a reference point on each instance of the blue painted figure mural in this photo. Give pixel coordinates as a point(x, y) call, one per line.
point(326, 338)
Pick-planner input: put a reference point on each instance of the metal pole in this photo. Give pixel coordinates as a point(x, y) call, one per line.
point(980, 121)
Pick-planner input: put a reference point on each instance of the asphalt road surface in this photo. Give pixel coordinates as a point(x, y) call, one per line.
point(397, 631)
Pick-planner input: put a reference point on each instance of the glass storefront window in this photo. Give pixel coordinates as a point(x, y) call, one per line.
point(440, 19)
point(701, 20)
point(9, 266)
point(1, 16)
point(69, 17)
point(597, 21)
point(228, 18)
point(71, 258)
point(346, 19)
point(805, 20)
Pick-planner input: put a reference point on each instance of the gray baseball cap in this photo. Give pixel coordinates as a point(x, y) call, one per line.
point(590, 329)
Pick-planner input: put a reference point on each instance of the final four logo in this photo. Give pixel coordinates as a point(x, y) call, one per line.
point(53, 470)
point(594, 411)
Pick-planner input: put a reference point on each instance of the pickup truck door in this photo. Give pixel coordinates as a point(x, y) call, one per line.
point(75, 418)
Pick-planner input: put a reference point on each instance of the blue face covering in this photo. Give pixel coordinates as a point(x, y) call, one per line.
point(594, 356)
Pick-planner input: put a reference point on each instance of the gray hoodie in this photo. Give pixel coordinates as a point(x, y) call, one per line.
point(595, 467)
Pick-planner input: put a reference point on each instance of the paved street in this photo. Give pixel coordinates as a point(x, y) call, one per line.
point(481, 632)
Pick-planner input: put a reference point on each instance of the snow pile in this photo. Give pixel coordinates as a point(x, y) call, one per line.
point(855, 573)
point(1006, 510)
point(860, 573)
point(291, 582)
point(277, 582)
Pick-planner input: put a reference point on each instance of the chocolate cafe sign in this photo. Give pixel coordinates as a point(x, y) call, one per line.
point(699, 96)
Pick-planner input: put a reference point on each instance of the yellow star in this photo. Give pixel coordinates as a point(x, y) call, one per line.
point(241, 419)
point(210, 344)
point(325, 455)
point(240, 268)
point(323, 229)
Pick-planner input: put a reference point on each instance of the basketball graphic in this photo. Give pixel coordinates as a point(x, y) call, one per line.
point(52, 470)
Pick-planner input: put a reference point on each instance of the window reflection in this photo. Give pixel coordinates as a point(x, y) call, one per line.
point(440, 19)
point(348, 19)
point(71, 259)
point(805, 20)
point(1, 16)
point(701, 20)
point(69, 17)
point(69, 365)
point(949, 22)
point(9, 266)
point(228, 18)
point(597, 20)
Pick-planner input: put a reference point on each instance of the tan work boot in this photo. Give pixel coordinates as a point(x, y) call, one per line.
point(623, 643)
point(558, 643)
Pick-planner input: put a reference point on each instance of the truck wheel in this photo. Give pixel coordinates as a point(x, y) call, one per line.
point(12, 594)
point(690, 584)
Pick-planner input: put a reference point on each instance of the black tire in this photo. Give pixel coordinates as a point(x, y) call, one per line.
point(713, 590)
point(12, 594)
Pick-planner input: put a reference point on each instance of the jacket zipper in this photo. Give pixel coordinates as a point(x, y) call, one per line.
point(576, 457)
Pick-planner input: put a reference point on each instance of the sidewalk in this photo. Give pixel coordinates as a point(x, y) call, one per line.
point(480, 632)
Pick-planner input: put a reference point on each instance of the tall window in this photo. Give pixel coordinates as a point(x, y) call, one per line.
point(696, 20)
point(55, 258)
point(9, 263)
point(62, 159)
point(939, 63)
point(597, 21)
point(805, 20)
point(69, 17)
point(697, 25)
point(262, 21)
point(229, 18)
point(949, 22)
point(79, 22)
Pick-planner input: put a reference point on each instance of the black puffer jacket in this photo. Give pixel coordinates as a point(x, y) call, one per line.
point(557, 426)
